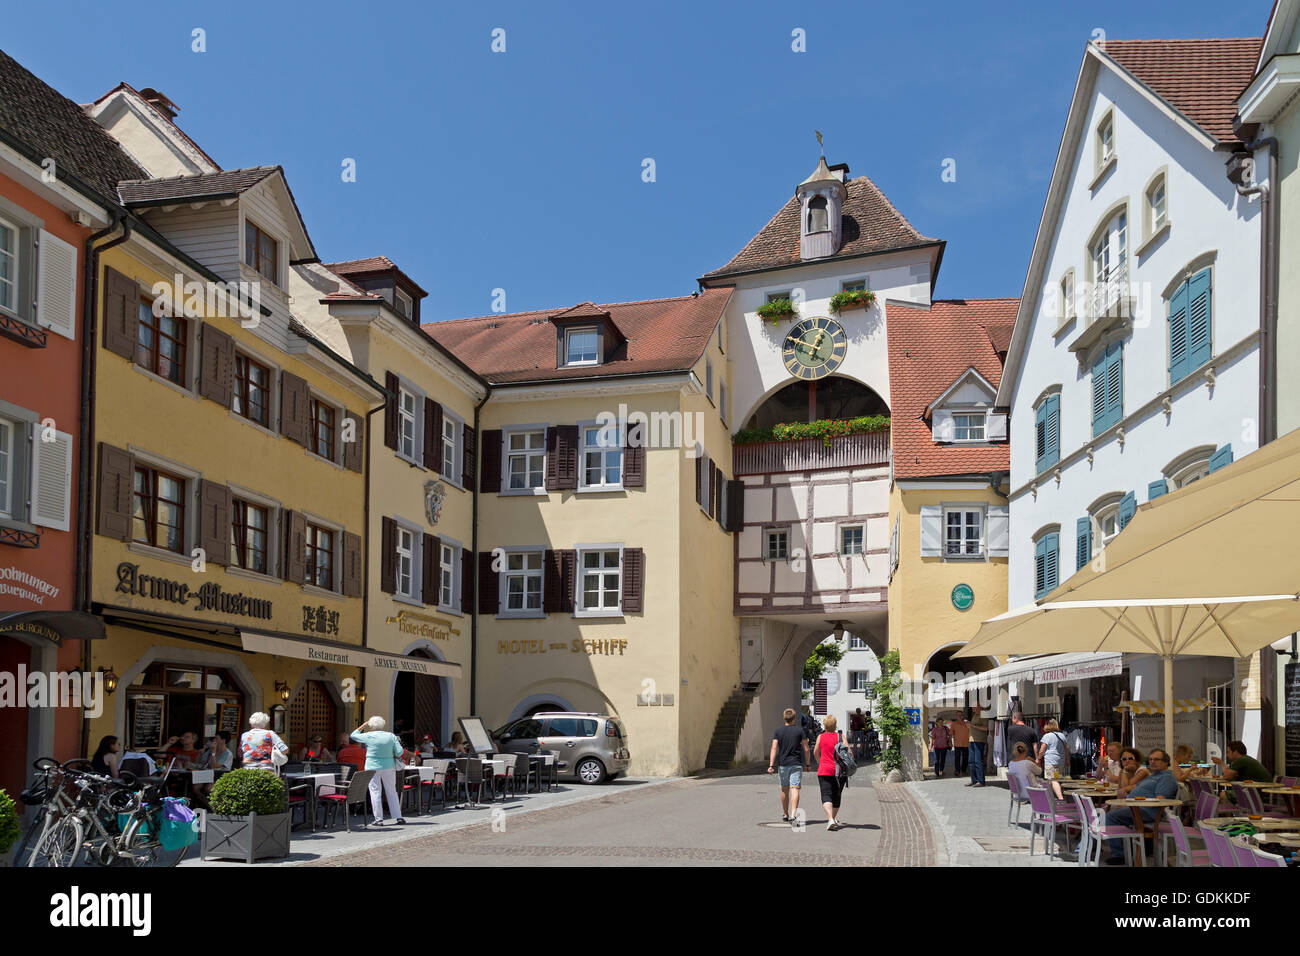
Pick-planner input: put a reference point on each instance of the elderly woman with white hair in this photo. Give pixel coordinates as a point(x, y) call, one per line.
point(383, 750)
point(257, 745)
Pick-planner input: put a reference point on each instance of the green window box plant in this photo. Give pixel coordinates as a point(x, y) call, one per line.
point(777, 310)
point(852, 299)
point(826, 429)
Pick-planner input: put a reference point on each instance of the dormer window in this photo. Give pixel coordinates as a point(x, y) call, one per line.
point(403, 303)
point(818, 218)
point(968, 426)
point(581, 347)
point(261, 252)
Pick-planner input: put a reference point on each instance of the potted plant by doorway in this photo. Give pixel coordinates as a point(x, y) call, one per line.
point(9, 829)
point(249, 819)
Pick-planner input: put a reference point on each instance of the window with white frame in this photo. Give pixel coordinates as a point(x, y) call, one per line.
point(403, 303)
point(856, 643)
point(722, 401)
point(602, 457)
point(708, 378)
point(522, 582)
point(525, 460)
point(1106, 525)
point(968, 426)
point(1157, 207)
point(1110, 248)
point(854, 285)
point(858, 681)
point(581, 347)
point(9, 432)
point(1191, 472)
point(963, 532)
point(602, 577)
point(1067, 297)
point(406, 570)
point(852, 538)
point(8, 265)
point(1105, 141)
point(778, 296)
point(447, 577)
point(776, 544)
point(407, 416)
point(450, 431)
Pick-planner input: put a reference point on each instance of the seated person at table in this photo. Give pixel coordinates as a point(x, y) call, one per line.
point(1183, 755)
point(217, 755)
point(316, 750)
point(107, 756)
point(458, 744)
point(1025, 770)
point(1242, 766)
point(1132, 772)
point(183, 748)
point(1108, 767)
point(426, 746)
point(1159, 783)
point(353, 753)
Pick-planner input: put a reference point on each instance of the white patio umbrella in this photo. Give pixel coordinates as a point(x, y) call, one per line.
point(1210, 569)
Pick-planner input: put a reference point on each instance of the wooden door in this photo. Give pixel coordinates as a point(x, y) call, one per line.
point(311, 712)
point(428, 709)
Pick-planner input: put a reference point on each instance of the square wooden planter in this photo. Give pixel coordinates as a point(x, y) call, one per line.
point(250, 838)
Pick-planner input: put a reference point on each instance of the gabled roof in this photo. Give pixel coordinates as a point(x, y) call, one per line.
point(375, 265)
point(51, 125)
point(160, 119)
point(662, 335)
point(972, 374)
point(1201, 79)
point(929, 352)
point(583, 310)
point(870, 225)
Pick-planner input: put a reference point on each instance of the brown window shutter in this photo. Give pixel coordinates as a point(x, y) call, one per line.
point(714, 475)
point(215, 521)
point(217, 365)
point(433, 435)
point(295, 416)
point(388, 555)
point(392, 421)
point(557, 581)
point(295, 547)
point(720, 514)
point(430, 578)
point(562, 458)
point(121, 314)
point(489, 599)
point(735, 505)
point(353, 565)
point(354, 451)
point(116, 492)
point(469, 448)
point(699, 478)
point(466, 580)
point(634, 457)
point(633, 568)
point(489, 476)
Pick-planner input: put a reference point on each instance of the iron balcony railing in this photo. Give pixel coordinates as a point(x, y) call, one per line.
point(811, 454)
point(1110, 293)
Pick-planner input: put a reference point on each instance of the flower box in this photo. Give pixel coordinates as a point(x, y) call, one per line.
point(852, 299)
point(777, 310)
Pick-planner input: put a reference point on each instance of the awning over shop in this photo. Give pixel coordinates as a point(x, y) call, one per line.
point(1040, 669)
point(52, 626)
point(1182, 705)
point(344, 655)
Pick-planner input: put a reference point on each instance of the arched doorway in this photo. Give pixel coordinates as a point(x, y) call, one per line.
point(544, 707)
point(832, 397)
point(417, 705)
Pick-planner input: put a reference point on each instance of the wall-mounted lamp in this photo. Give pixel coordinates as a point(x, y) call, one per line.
point(361, 697)
point(110, 679)
point(282, 689)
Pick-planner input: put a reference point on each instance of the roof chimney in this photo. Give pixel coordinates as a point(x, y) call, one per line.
point(160, 102)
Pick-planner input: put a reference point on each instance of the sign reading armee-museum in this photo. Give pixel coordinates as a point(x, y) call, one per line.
point(207, 597)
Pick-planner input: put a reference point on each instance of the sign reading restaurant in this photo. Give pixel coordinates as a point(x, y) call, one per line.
point(207, 597)
point(345, 656)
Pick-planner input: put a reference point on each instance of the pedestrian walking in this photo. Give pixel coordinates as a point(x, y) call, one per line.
point(789, 759)
point(940, 743)
point(828, 772)
point(1054, 752)
point(858, 732)
point(382, 752)
point(979, 737)
point(960, 745)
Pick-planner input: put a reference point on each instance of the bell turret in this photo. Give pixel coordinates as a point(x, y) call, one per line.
point(821, 206)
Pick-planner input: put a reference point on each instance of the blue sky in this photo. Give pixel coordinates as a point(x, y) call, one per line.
point(522, 170)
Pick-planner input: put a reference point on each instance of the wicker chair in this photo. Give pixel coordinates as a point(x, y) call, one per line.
point(356, 790)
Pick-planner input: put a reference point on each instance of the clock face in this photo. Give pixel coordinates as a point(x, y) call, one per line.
point(814, 348)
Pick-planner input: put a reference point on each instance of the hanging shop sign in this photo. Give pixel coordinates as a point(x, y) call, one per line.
point(963, 596)
point(343, 655)
point(423, 625)
point(1080, 670)
point(207, 597)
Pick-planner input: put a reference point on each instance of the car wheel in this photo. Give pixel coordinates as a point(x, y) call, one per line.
point(590, 770)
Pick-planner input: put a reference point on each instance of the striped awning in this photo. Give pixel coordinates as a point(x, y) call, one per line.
point(1182, 705)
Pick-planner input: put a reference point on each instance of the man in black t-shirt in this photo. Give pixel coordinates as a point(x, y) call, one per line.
point(1018, 732)
point(790, 754)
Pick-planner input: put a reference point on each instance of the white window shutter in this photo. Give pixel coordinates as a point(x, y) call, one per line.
point(997, 426)
point(999, 532)
point(931, 531)
point(942, 425)
point(57, 299)
point(52, 480)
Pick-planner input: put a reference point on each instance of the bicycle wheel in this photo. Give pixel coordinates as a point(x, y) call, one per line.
point(60, 845)
point(143, 849)
point(28, 840)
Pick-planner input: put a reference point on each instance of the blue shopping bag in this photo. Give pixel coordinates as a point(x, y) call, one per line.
point(175, 826)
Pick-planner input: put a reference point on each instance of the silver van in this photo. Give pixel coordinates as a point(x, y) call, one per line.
point(592, 747)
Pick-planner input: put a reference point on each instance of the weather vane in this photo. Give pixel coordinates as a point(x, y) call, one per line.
point(819, 141)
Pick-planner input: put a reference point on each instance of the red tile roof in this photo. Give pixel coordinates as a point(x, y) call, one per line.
point(663, 335)
point(870, 224)
point(375, 265)
point(1200, 78)
point(928, 352)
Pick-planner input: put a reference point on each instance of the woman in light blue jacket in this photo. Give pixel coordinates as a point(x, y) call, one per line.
point(383, 751)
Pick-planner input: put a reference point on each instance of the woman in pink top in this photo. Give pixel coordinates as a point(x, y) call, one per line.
point(828, 772)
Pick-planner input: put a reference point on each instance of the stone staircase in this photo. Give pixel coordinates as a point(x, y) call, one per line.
point(726, 732)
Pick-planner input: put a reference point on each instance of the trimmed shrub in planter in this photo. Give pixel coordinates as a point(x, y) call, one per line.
point(249, 819)
point(9, 828)
point(852, 299)
point(776, 310)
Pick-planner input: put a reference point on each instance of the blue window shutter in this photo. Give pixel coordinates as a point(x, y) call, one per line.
point(1156, 489)
point(1053, 404)
point(1099, 394)
point(1178, 367)
point(1198, 320)
point(1040, 567)
point(1114, 385)
point(1220, 458)
point(1127, 508)
point(1083, 542)
point(1040, 437)
point(1051, 555)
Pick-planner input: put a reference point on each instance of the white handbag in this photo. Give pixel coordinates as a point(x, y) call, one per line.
point(278, 757)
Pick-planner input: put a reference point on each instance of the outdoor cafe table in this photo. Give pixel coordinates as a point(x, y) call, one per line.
point(1148, 803)
point(1265, 823)
point(548, 761)
point(1292, 795)
point(1286, 839)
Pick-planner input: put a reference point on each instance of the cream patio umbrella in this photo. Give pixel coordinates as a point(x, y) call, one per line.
point(1211, 569)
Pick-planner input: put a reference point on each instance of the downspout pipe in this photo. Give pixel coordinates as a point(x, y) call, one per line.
point(365, 574)
point(473, 546)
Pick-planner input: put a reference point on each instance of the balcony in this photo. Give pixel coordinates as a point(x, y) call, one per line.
point(1111, 296)
point(811, 454)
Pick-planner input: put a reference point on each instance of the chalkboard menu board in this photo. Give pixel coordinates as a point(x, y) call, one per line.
point(1293, 720)
point(146, 723)
point(229, 719)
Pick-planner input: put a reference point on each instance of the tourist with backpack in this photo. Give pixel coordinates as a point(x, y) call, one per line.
point(828, 771)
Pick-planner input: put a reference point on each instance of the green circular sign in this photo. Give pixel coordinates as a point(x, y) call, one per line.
point(963, 597)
